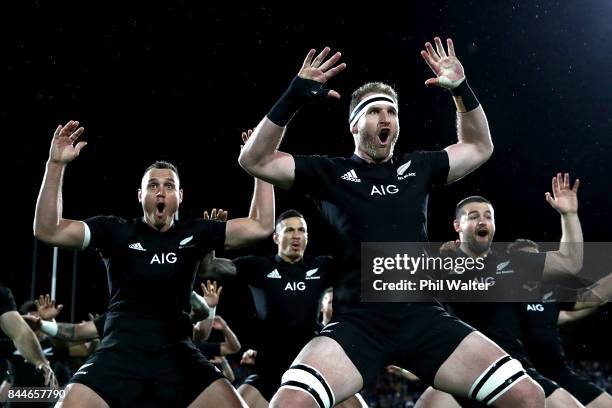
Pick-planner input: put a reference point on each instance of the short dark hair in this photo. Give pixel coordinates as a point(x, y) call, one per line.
point(521, 243)
point(467, 200)
point(287, 214)
point(161, 164)
point(371, 87)
point(27, 307)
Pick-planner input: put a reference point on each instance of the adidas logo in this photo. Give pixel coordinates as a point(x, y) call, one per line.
point(274, 275)
point(136, 246)
point(351, 176)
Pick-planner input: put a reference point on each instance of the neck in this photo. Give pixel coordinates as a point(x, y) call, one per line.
point(364, 156)
point(161, 228)
point(466, 250)
point(290, 260)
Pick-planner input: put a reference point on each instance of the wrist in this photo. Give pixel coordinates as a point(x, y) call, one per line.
point(300, 92)
point(464, 97)
point(49, 327)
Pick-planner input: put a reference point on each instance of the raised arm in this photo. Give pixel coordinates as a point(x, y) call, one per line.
point(49, 225)
point(564, 199)
point(241, 232)
point(231, 344)
point(474, 145)
point(260, 156)
point(26, 342)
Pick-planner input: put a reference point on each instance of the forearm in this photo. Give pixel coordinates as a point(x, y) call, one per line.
point(261, 146)
point(29, 347)
point(571, 245)
point(262, 205)
point(49, 204)
point(227, 370)
point(201, 330)
point(232, 344)
point(473, 128)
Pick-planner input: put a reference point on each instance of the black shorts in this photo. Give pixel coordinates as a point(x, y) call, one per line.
point(418, 337)
point(583, 390)
point(127, 374)
point(265, 384)
point(548, 385)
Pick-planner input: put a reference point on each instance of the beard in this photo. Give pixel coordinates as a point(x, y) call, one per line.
point(377, 154)
point(479, 247)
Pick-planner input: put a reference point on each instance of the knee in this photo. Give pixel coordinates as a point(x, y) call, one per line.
point(286, 397)
point(526, 393)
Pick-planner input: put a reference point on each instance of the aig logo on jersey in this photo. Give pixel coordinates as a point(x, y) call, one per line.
point(295, 286)
point(537, 307)
point(402, 169)
point(384, 190)
point(163, 258)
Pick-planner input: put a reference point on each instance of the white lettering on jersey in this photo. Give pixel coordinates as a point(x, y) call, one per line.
point(295, 286)
point(537, 307)
point(384, 190)
point(170, 258)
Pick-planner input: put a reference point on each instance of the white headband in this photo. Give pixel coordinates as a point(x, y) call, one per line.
point(362, 107)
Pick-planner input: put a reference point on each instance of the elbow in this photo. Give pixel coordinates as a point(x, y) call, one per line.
point(245, 161)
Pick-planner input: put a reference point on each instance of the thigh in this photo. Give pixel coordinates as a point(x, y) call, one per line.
point(219, 394)
point(79, 395)
point(323, 366)
point(472, 357)
point(251, 395)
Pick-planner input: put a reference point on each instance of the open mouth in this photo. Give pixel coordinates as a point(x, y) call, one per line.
point(482, 233)
point(160, 208)
point(383, 135)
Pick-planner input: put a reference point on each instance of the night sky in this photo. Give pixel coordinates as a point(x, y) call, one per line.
point(180, 82)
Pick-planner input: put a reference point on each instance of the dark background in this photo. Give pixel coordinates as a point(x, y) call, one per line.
point(180, 82)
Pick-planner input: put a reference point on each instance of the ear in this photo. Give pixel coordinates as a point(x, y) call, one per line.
point(457, 225)
point(180, 195)
point(139, 195)
point(354, 130)
point(275, 238)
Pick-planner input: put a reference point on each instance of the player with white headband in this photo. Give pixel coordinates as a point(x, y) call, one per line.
point(358, 196)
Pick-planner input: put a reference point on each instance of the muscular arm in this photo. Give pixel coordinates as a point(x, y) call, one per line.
point(474, 146)
point(568, 259)
point(261, 158)
point(49, 225)
point(241, 232)
point(24, 338)
point(84, 331)
point(212, 267)
point(231, 344)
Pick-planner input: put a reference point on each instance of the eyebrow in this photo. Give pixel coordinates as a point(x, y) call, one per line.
point(476, 212)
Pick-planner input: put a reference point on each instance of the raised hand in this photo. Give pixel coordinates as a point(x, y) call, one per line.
point(564, 199)
point(211, 293)
point(321, 70)
point(448, 248)
point(63, 150)
point(46, 307)
point(449, 71)
point(215, 215)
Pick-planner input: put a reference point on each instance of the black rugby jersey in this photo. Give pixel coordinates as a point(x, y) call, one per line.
point(540, 332)
point(287, 295)
point(145, 265)
point(500, 320)
point(367, 202)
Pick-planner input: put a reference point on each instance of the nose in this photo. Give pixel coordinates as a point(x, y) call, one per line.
point(383, 117)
